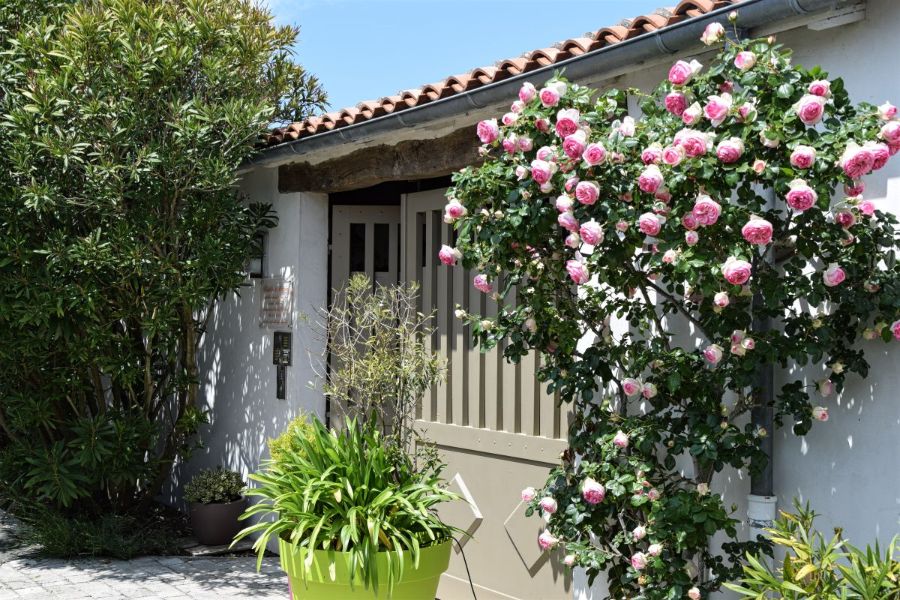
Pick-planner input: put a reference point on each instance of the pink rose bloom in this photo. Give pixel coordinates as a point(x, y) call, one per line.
point(541, 171)
point(810, 109)
point(510, 144)
point(692, 114)
point(729, 151)
point(844, 218)
point(568, 221)
point(736, 271)
point(488, 131)
point(670, 256)
point(820, 413)
point(682, 72)
point(745, 60)
point(706, 210)
point(759, 166)
point(573, 240)
point(746, 112)
point(592, 491)
point(448, 256)
point(867, 207)
point(542, 124)
point(545, 153)
point(509, 118)
point(564, 203)
point(821, 88)
point(650, 180)
point(574, 144)
point(721, 299)
point(654, 549)
point(627, 126)
point(569, 560)
point(890, 132)
point(547, 541)
point(622, 225)
point(549, 96)
point(833, 275)
point(648, 391)
point(672, 155)
point(695, 143)
point(571, 182)
point(717, 107)
point(621, 439)
point(653, 494)
point(887, 111)
point(482, 284)
point(525, 143)
point(649, 224)
point(528, 494)
point(691, 237)
point(638, 561)
point(803, 157)
point(825, 387)
point(639, 533)
point(748, 343)
point(693, 593)
point(548, 504)
point(631, 387)
point(713, 33)
point(594, 153)
point(801, 197)
point(690, 222)
point(713, 354)
point(895, 329)
point(880, 153)
point(517, 107)
point(587, 192)
point(527, 92)
point(454, 210)
point(651, 155)
point(591, 232)
point(676, 103)
point(757, 231)
point(567, 121)
point(577, 271)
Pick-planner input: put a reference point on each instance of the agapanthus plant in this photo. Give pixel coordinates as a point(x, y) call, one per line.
point(658, 264)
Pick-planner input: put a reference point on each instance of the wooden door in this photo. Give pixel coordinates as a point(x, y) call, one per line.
point(497, 429)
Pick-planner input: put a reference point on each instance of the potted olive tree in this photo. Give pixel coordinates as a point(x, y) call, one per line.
point(216, 499)
point(353, 508)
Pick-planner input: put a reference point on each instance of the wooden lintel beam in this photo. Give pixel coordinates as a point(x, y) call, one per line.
point(408, 160)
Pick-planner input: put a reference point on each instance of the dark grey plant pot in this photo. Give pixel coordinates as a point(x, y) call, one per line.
point(216, 524)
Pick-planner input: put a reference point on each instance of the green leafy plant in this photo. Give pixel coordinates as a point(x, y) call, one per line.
point(379, 348)
point(282, 447)
point(121, 225)
point(214, 486)
point(344, 491)
point(817, 568)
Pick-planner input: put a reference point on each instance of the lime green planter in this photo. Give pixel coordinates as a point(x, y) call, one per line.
point(327, 582)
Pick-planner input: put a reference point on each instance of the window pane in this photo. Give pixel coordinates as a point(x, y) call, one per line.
point(382, 247)
point(357, 247)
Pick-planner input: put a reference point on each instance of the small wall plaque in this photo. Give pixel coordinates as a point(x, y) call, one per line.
point(276, 306)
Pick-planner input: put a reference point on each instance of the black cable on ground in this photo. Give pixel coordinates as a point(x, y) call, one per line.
point(466, 563)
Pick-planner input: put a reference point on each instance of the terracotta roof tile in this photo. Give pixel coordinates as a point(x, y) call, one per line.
point(482, 76)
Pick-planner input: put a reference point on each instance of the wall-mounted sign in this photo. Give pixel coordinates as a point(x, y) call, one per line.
point(276, 303)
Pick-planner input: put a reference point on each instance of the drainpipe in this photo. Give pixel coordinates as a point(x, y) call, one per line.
point(761, 503)
point(627, 54)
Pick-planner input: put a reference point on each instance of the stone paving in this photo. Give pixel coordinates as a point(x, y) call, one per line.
point(24, 575)
point(167, 577)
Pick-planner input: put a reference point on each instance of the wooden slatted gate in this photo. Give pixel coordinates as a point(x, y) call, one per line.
point(497, 429)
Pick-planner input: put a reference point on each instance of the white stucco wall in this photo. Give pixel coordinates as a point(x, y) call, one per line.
point(846, 468)
point(238, 377)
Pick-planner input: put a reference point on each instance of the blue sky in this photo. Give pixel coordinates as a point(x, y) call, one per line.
point(366, 49)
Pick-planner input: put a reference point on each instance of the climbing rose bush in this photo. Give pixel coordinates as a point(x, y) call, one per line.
point(658, 264)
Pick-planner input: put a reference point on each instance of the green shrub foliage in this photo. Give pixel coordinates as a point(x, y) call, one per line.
point(213, 486)
point(123, 124)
